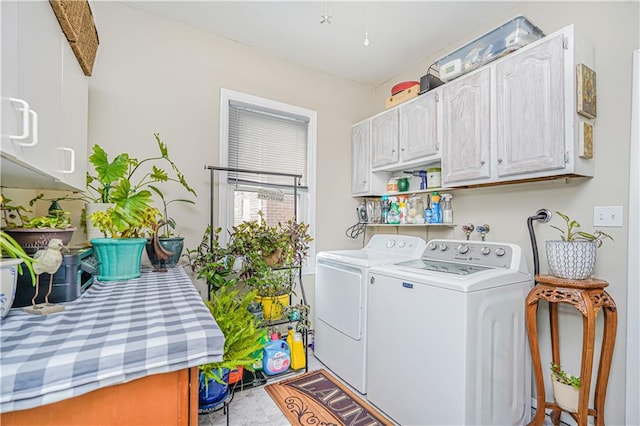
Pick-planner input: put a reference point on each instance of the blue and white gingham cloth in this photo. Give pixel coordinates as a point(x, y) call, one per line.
point(114, 333)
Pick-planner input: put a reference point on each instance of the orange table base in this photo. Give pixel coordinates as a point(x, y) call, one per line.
point(588, 297)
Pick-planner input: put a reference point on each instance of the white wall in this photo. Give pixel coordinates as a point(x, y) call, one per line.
point(154, 75)
point(613, 29)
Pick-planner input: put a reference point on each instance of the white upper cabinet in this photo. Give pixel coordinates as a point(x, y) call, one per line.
point(419, 128)
point(384, 137)
point(44, 102)
point(466, 128)
point(530, 109)
point(361, 158)
point(363, 181)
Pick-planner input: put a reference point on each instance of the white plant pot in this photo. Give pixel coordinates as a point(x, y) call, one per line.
point(572, 260)
point(92, 231)
point(8, 281)
point(566, 396)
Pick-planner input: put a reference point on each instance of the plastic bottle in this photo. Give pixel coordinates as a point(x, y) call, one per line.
point(290, 333)
point(276, 357)
point(385, 208)
point(298, 360)
point(393, 217)
point(447, 210)
point(436, 215)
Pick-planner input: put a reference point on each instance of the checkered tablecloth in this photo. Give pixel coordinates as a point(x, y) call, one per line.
point(115, 332)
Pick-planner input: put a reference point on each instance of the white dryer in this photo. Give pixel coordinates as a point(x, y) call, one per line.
point(341, 302)
point(447, 338)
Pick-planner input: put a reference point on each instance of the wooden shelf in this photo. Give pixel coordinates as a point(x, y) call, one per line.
point(420, 191)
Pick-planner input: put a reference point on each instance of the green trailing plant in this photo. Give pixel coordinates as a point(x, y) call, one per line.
point(11, 248)
point(299, 313)
point(16, 216)
point(242, 346)
point(572, 234)
point(101, 186)
point(270, 282)
point(561, 376)
point(211, 262)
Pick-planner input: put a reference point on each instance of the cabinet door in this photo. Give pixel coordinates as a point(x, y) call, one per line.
point(12, 115)
point(530, 118)
point(361, 158)
point(467, 128)
point(40, 82)
point(384, 137)
point(418, 128)
point(75, 105)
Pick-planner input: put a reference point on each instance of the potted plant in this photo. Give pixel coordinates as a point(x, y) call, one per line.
point(212, 262)
point(566, 389)
point(35, 233)
point(126, 225)
point(166, 239)
point(10, 266)
point(242, 347)
point(574, 257)
point(273, 290)
point(102, 187)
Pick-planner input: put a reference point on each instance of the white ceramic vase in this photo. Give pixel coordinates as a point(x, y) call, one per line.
point(573, 260)
point(566, 396)
point(8, 281)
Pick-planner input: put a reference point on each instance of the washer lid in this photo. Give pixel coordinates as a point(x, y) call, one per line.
point(441, 266)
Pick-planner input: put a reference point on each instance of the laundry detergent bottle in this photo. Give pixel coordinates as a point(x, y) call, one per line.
point(298, 359)
point(276, 357)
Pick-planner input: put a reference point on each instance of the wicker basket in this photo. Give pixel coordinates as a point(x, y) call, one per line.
point(76, 21)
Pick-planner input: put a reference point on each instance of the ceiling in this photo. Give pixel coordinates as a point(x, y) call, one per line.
point(401, 34)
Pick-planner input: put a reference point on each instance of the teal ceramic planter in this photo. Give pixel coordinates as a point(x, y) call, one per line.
point(118, 258)
point(172, 244)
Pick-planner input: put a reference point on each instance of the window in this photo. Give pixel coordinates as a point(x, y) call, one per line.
point(264, 135)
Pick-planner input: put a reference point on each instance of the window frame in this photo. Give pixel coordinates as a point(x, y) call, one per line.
point(306, 204)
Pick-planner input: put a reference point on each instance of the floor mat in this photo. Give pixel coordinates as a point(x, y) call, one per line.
point(316, 398)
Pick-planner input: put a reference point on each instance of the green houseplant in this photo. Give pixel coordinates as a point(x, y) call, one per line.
point(566, 388)
point(242, 347)
point(212, 262)
point(124, 178)
point(34, 233)
point(10, 266)
point(574, 256)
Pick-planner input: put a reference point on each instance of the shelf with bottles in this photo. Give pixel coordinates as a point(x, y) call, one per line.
point(410, 225)
point(418, 191)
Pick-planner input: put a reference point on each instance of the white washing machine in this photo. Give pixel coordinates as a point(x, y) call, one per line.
point(447, 339)
point(341, 302)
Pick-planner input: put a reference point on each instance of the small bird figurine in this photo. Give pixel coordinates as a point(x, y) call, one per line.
point(49, 261)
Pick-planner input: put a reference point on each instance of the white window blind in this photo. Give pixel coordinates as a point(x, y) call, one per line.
point(267, 140)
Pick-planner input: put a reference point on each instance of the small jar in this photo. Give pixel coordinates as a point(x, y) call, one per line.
point(392, 185)
point(416, 210)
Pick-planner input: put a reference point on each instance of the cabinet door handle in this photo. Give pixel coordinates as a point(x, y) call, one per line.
point(499, 160)
point(482, 162)
point(73, 160)
point(25, 119)
point(34, 130)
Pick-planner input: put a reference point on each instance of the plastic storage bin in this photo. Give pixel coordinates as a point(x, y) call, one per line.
point(510, 36)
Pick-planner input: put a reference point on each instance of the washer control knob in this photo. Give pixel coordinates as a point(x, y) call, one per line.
point(463, 248)
point(500, 252)
point(391, 243)
point(443, 247)
point(432, 246)
point(401, 244)
point(485, 250)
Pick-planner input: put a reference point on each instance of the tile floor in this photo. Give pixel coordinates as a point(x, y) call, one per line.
point(255, 406)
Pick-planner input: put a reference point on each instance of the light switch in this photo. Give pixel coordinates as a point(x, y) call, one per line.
point(607, 216)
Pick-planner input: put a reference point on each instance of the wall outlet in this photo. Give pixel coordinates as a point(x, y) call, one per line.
point(607, 216)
